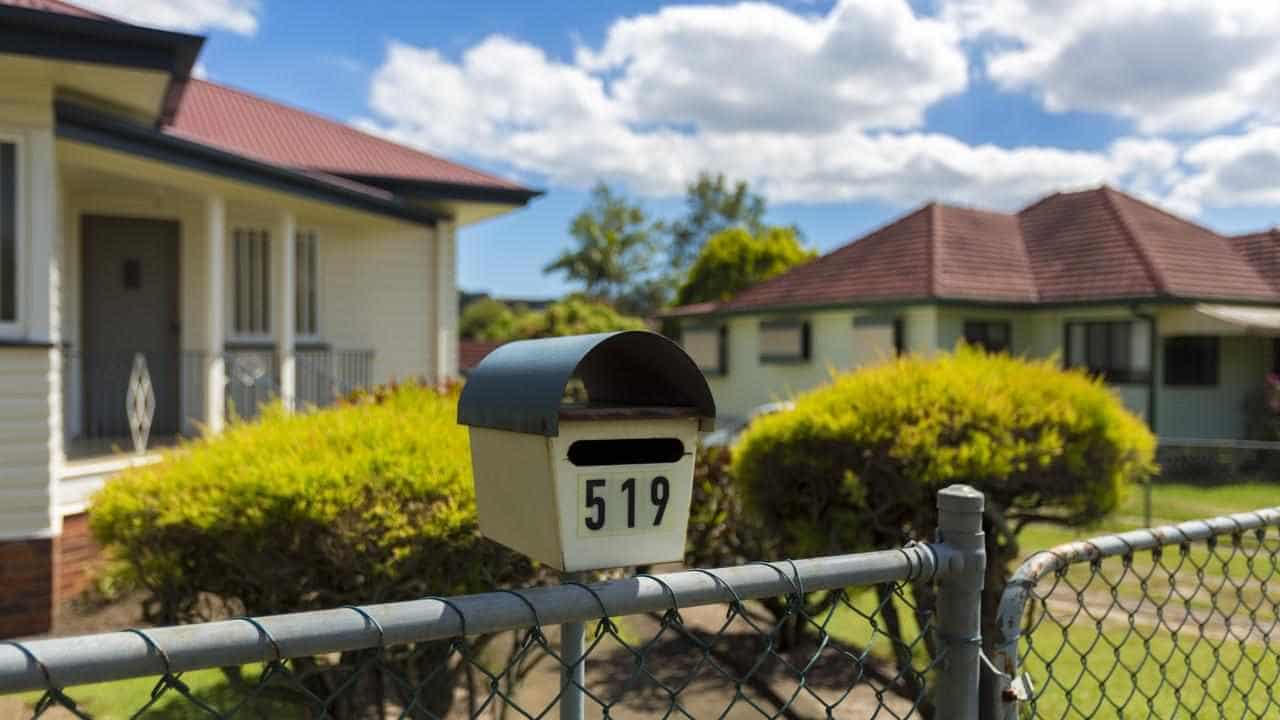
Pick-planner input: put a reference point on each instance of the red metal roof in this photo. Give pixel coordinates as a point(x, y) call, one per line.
point(1098, 244)
point(246, 124)
point(251, 126)
point(57, 7)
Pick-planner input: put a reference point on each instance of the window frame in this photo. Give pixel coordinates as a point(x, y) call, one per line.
point(15, 328)
point(971, 338)
point(1169, 345)
point(722, 348)
point(806, 350)
point(250, 334)
point(306, 286)
point(1110, 373)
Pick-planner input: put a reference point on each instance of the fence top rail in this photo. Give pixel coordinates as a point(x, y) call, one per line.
point(104, 657)
point(1048, 562)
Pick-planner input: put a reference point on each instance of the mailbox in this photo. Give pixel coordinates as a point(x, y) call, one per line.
point(583, 447)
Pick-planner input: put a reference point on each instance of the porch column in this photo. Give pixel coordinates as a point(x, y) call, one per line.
point(215, 376)
point(446, 302)
point(283, 300)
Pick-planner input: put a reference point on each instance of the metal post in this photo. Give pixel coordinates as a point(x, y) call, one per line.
point(959, 623)
point(573, 676)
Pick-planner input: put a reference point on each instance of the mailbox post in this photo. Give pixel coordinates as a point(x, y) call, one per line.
point(582, 450)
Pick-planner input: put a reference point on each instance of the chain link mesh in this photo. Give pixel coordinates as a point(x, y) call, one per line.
point(865, 652)
point(1186, 629)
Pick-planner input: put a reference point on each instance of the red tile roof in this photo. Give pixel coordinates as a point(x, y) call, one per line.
point(471, 352)
point(249, 125)
point(1092, 245)
point(1263, 252)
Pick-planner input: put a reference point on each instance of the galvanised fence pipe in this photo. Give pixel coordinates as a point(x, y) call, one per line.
point(1006, 656)
point(121, 655)
point(959, 610)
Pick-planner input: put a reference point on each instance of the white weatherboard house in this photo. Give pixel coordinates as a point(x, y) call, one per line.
point(1182, 321)
point(240, 247)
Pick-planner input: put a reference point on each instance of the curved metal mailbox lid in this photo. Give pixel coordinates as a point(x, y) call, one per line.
point(521, 385)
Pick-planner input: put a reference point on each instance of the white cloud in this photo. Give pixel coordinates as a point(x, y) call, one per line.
point(238, 16)
point(1189, 65)
point(756, 66)
point(1237, 170)
point(611, 113)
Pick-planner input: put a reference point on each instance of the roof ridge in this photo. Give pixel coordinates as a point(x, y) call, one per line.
point(1167, 213)
point(344, 127)
point(1148, 264)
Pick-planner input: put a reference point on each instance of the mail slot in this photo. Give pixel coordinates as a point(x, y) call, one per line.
point(584, 483)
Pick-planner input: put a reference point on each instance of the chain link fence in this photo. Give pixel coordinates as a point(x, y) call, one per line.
point(828, 637)
point(1170, 622)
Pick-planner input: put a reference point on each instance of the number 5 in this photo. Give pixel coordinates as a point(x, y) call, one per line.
point(595, 502)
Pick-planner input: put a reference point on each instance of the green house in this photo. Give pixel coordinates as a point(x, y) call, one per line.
point(1180, 320)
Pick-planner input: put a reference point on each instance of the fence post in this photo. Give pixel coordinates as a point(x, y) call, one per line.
point(959, 612)
point(573, 676)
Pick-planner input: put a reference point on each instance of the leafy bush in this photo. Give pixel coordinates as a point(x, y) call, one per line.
point(494, 321)
point(489, 320)
point(367, 502)
point(857, 464)
point(734, 260)
point(574, 315)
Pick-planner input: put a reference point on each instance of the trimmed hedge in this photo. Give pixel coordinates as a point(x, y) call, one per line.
point(866, 454)
point(857, 464)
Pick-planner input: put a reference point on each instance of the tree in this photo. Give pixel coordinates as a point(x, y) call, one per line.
point(856, 465)
point(734, 259)
point(489, 320)
point(712, 205)
point(613, 246)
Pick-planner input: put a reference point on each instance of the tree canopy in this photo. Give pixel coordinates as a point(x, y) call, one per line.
point(712, 204)
point(613, 246)
point(735, 259)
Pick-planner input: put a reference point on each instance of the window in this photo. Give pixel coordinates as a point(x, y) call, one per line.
point(252, 259)
point(307, 263)
point(8, 233)
point(992, 336)
point(708, 347)
point(784, 341)
point(1119, 351)
point(1191, 360)
point(875, 338)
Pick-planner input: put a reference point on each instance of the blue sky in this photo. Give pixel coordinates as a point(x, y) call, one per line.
point(845, 114)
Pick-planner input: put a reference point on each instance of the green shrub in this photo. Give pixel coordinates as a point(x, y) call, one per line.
point(857, 464)
point(367, 502)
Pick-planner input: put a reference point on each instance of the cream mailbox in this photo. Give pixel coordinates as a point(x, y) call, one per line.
point(596, 482)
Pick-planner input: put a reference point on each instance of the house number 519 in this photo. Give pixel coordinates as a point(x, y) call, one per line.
point(600, 496)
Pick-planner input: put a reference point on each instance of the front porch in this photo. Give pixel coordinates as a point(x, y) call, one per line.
point(195, 288)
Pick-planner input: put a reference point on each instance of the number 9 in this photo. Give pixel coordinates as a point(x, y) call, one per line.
point(659, 491)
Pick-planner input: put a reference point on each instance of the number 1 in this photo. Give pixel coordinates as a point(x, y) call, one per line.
point(629, 487)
